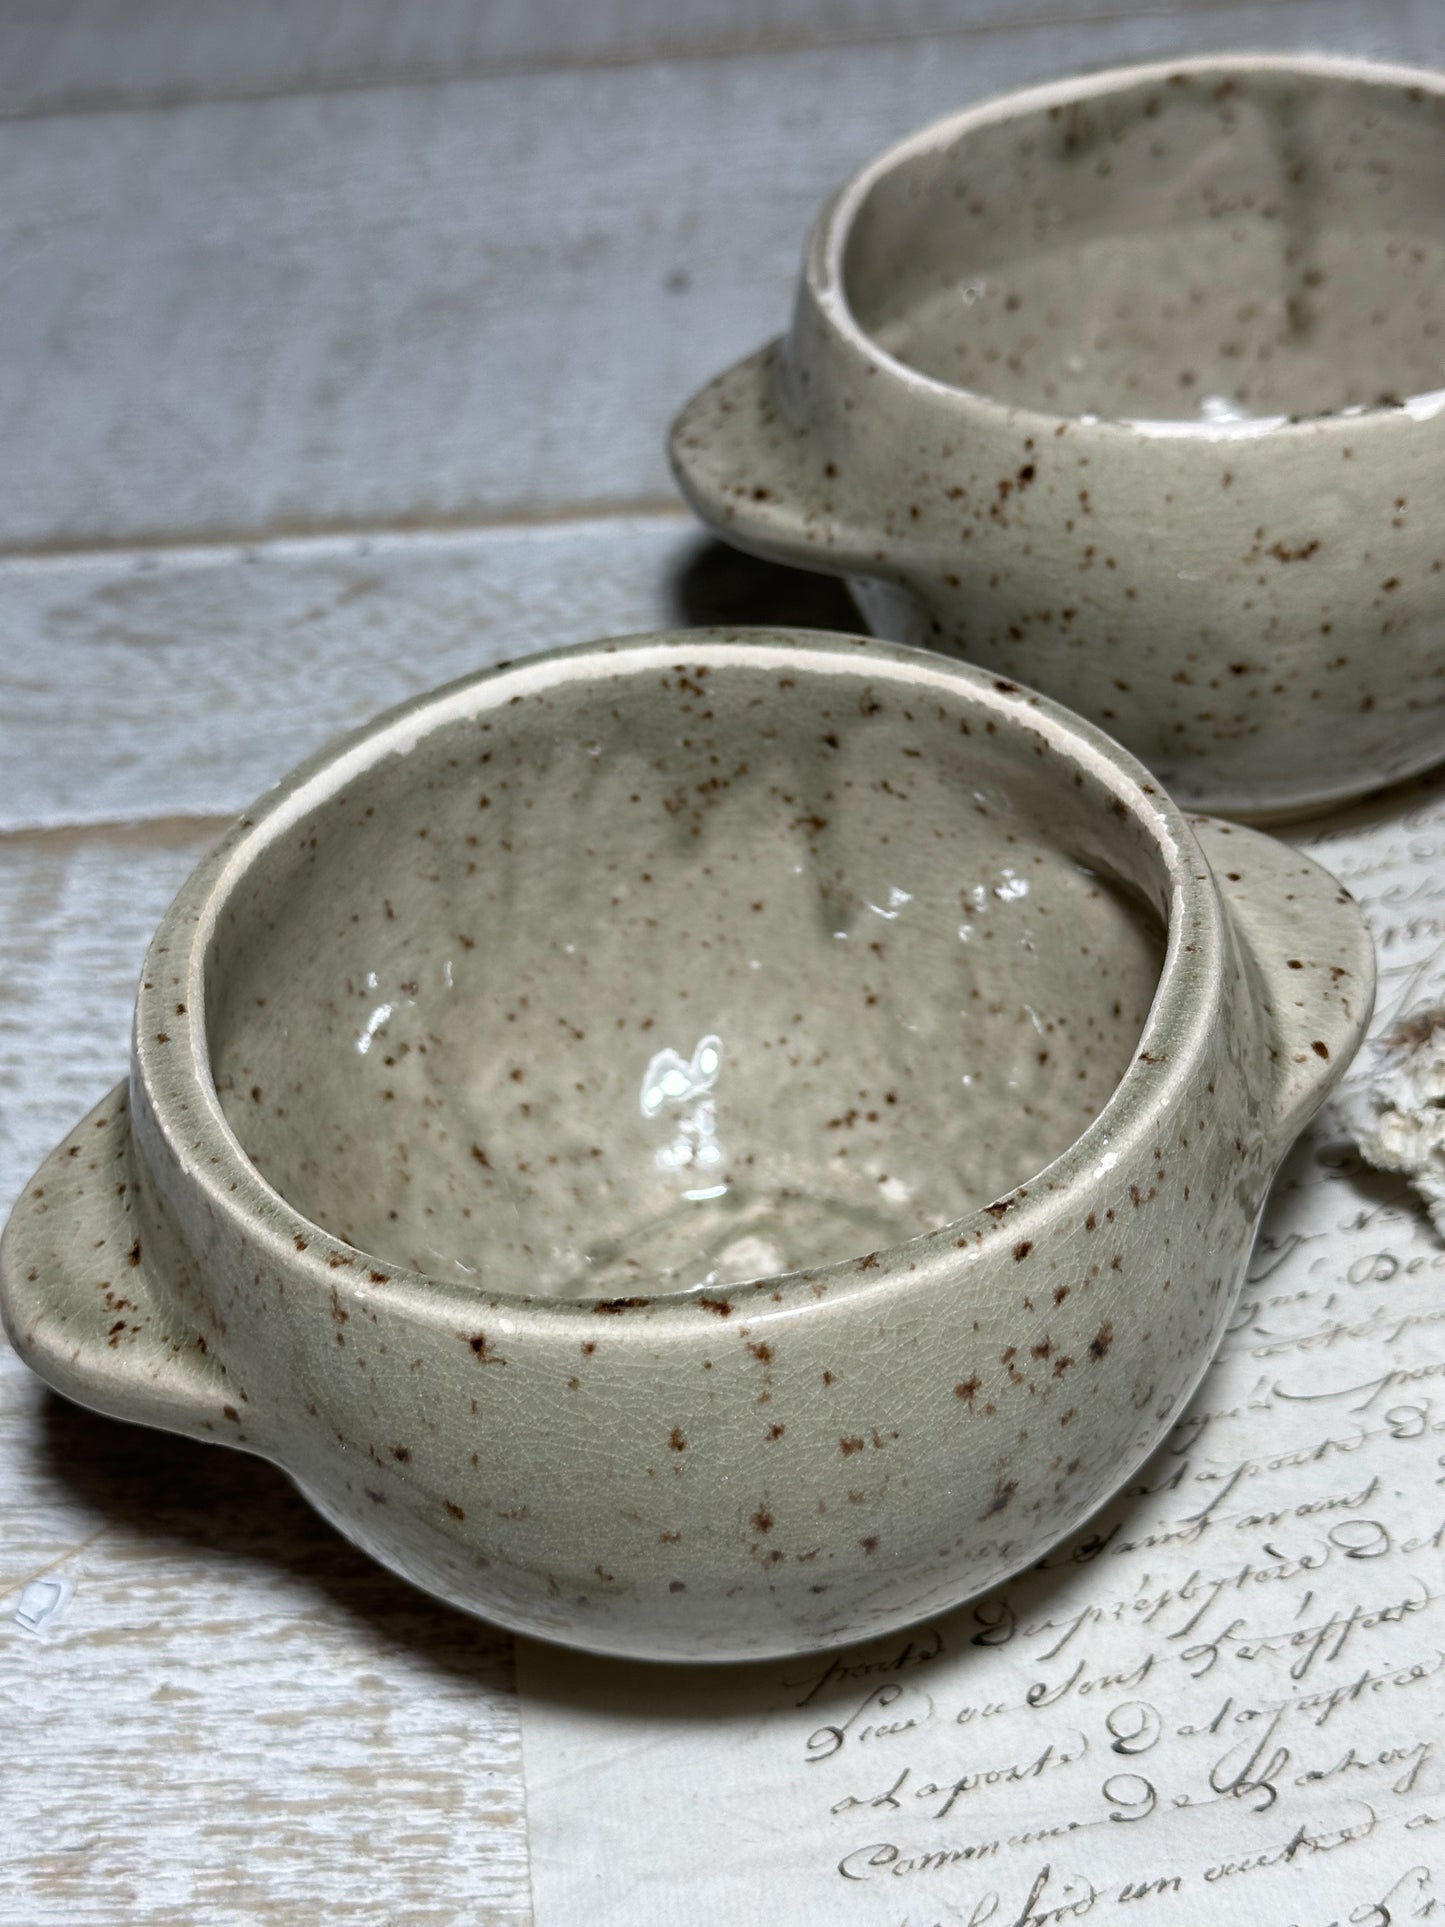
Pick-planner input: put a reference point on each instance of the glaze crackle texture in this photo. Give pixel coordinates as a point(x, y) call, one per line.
point(704, 1146)
point(1133, 387)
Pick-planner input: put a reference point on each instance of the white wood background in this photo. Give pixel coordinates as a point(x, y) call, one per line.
point(339, 341)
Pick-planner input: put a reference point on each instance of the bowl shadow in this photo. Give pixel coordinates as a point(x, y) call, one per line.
point(178, 1493)
point(718, 585)
point(1391, 803)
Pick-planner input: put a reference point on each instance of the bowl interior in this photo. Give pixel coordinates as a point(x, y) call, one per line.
point(670, 971)
point(1215, 245)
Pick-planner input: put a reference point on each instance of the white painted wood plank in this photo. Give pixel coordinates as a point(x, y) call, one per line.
point(442, 304)
point(185, 682)
point(89, 54)
point(232, 1717)
point(76, 915)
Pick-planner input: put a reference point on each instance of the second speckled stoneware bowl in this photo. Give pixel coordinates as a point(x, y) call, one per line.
point(702, 1146)
point(1133, 387)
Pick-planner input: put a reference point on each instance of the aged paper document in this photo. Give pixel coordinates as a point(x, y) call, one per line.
point(1224, 1701)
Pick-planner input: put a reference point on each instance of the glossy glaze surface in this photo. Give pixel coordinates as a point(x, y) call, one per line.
point(727, 979)
point(1134, 388)
point(759, 1465)
point(1251, 246)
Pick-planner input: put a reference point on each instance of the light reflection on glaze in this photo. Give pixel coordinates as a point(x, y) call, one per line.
point(678, 1089)
point(896, 900)
point(373, 1024)
point(671, 1078)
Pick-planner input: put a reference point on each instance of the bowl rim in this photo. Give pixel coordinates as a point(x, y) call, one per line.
point(825, 278)
point(175, 1097)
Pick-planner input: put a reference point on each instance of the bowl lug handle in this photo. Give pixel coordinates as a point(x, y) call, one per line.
point(87, 1291)
point(1308, 951)
point(760, 480)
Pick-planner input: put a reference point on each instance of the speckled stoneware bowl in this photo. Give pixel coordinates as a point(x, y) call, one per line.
point(1133, 387)
point(701, 1146)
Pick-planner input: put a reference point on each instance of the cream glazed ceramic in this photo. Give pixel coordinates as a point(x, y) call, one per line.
point(707, 1145)
point(1133, 387)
